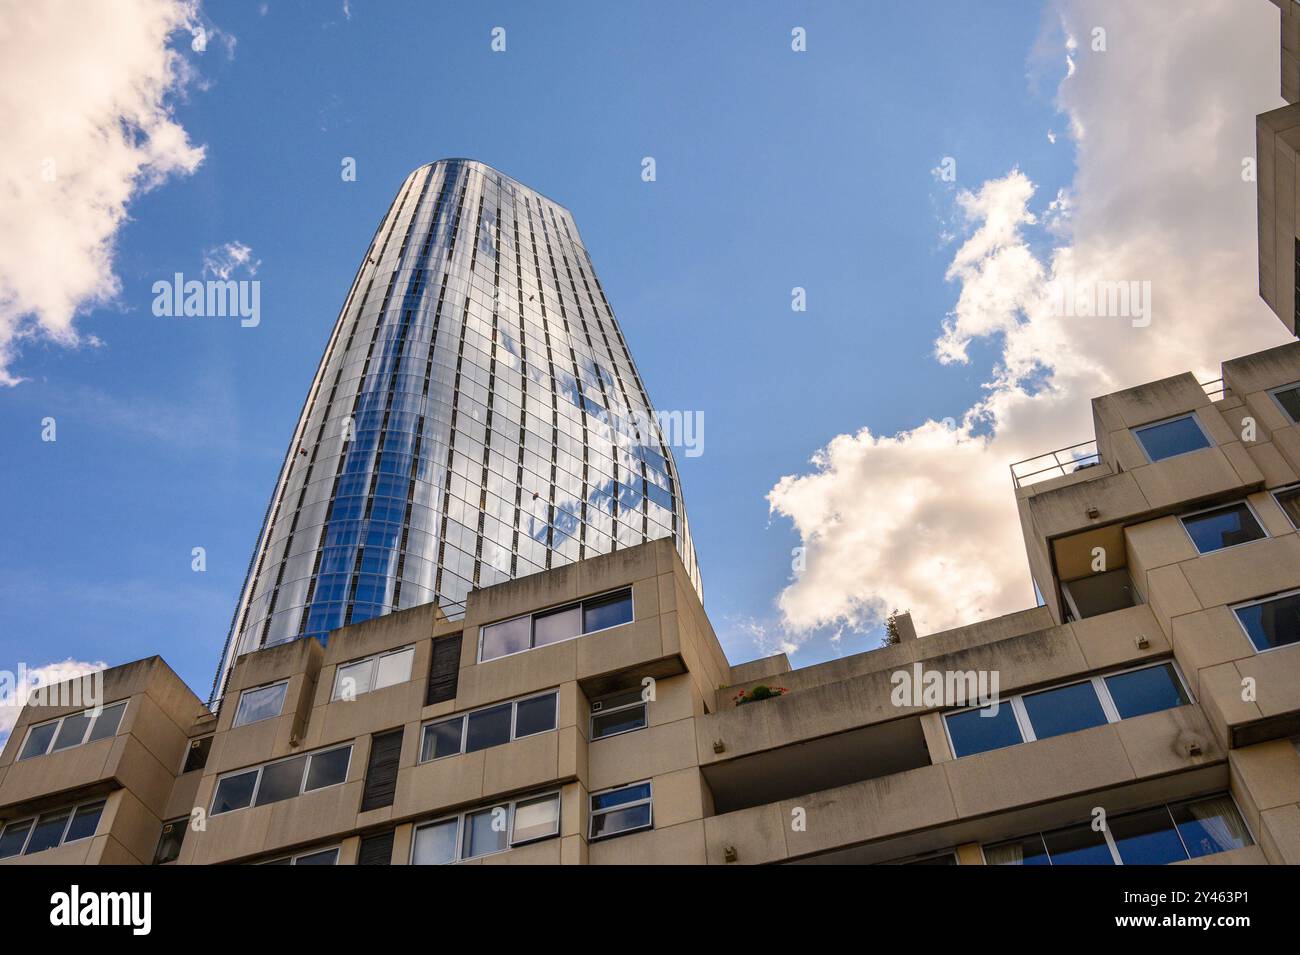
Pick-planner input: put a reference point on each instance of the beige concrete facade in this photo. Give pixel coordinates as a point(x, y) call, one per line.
point(837, 768)
point(1276, 141)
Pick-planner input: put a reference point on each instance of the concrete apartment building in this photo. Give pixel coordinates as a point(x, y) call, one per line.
point(1277, 138)
point(588, 715)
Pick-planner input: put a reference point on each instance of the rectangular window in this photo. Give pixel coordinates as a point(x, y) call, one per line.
point(490, 726)
point(283, 779)
point(1170, 438)
point(619, 713)
point(555, 625)
point(72, 730)
point(260, 703)
point(196, 755)
point(1065, 709)
point(487, 830)
point(1222, 527)
point(1147, 690)
point(1272, 622)
point(50, 829)
point(1288, 399)
point(982, 730)
point(1288, 498)
point(617, 812)
point(171, 840)
point(1069, 708)
point(1157, 836)
point(373, 673)
point(314, 857)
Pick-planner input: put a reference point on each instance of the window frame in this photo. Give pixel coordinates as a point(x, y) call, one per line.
point(1273, 393)
point(239, 705)
point(183, 822)
point(512, 803)
point(1294, 592)
point(593, 813)
point(532, 616)
point(1282, 490)
point(1108, 836)
point(641, 702)
point(1182, 520)
point(373, 659)
point(185, 757)
point(1209, 442)
point(1098, 681)
point(464, 716)
point(293, 858)
point(261, 767)
point(58, 722)
point(100, 801)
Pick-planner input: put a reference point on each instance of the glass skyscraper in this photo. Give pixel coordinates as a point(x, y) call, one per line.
point(476, 417)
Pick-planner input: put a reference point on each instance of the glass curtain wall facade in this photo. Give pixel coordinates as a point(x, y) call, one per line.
point(476, 417)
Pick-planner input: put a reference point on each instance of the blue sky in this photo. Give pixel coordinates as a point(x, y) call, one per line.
point(775, 169)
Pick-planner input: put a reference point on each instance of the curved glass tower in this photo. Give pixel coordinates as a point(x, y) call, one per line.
point(476, 417)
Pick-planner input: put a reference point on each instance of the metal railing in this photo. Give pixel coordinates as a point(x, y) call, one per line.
point(1215, 390)
point(1055, 464)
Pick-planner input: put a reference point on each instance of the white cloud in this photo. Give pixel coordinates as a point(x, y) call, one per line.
point(84, 94)
point(50, 673)
point(225, 260)
point(926, 519)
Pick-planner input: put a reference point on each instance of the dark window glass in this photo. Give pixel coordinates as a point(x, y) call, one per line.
point(107, 722)
point(197, 755)
point(48, 832)
point(488, 728)
point(1078, 845)
point(38, 741)
point(620, 820)
point(1210, 825)
point(607, 612)
point(620, 721)
point(511, 636)
point(234, 792)
point(1168, 438)
point(72, 732)
point(444, 670)
point(555, 626)
point(934, 860)
point(84, 822)
point(376, 849)
point(281, 780)
point(1147, 838)
point(325, 857)
point(170, 842)
point(486, 831)
point(619, 797)
point(536, 715)
point(1289, 399)
point(15, 834)
point(442, 739)
point(1146, 691)
point(381, 770)
point(1273, 623)
point(1223, 527)
point(1027, 851)
point(978, 731)
point(328, 769)
point(1289, 501)
point(1064, 710)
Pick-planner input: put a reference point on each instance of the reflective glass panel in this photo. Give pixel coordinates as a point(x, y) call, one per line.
point(1146, 691)
point(1064, 710)
point(1169, 438)
point(978, 731)
point(1223, 527)
point(1272, 623)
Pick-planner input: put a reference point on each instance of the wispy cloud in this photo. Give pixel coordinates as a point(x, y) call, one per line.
point(43, 675)
point(229, 259)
